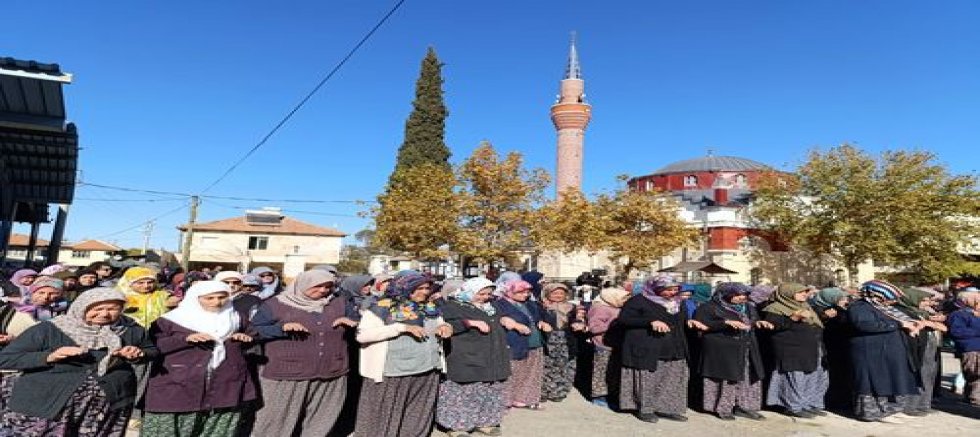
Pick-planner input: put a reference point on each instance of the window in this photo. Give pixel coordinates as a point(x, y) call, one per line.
point(80, 253)
point(690, 181)
point(258, 243)
point(649, 185)
point(17, 252)
point(741, 181)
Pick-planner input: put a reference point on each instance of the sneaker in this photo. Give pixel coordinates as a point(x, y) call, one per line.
point(726, 416)
point(490, 430)
point(600, 402)
point(650, 418)
point(802, 414)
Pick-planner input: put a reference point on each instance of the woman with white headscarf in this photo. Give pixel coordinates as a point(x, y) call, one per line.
point(201, 384)
point(78, 370)
point(478, 362)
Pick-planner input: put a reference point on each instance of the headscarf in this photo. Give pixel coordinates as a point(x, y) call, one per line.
point(724, 293)
point(785, 303)
point(295, 294)
point(379, 281)
point(512, 287)
point(397, 305)
point(504, 279)
point(142, 307)
point(268, 290)
point(451, 287)
point(969, 299)
point(876, 292)
point(654, 286)
point(20, 274)
point(470, 288)
point(910, 300)
point(760, 293)
point(219, 325)
point(89, 336)
point(827, 298)
point(46, 281)
point(352, 285)
point(534, 278)
point(327, 268)
point(563, 309)
point(612, 297)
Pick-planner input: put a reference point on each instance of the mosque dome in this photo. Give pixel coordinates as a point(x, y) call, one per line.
point(713, 164)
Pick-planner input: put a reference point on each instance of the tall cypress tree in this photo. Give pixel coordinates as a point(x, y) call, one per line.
point(425, 130)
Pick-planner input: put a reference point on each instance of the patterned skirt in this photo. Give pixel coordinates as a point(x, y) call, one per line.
point(462, 407)
point(559, 368)
point(401, 406)
point(722, 396)
point(524, 385)
point(661, 391)
point(86, 414)
point(217, 423)
point(600, 372)
point(797, 391)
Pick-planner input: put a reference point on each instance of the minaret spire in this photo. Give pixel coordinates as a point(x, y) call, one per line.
point(574, 70)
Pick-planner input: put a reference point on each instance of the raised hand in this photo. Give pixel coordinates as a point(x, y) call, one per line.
point(659, 326)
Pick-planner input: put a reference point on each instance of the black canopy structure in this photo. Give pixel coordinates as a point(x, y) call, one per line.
point(698, 266)
point(38, 151)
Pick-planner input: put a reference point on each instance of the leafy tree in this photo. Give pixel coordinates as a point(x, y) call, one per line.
point(419, 214)
point(498, 198)
point(900, 208)
point(425, 129)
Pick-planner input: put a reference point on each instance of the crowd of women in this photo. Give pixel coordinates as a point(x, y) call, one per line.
point(94, 352)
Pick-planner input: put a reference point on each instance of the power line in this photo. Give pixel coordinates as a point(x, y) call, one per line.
point(244, 199)
point(132, 190)
point(293, 211)
point(144, 222)
point(126, 200)
point(308, 96)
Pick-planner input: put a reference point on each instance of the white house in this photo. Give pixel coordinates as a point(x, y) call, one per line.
point(78, 254)
point(263, 238)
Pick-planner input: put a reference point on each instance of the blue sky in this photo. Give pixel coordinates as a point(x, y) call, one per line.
point(167, 95)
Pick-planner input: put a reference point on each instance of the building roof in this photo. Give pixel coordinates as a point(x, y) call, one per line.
point(713, 163)
point(22, 240)
point(288, 226)
point(93, 245)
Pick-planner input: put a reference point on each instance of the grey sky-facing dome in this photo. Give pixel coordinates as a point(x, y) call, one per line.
point(713, 163)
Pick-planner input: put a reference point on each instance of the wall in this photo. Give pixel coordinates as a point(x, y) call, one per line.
point(233, 248)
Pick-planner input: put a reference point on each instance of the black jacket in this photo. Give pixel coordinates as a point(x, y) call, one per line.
point(472, 356)
point(44, 389)
point(795, 346)
point(641, 346)
point(724, 349)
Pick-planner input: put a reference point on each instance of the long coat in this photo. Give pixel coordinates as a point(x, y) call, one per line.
point(724, 349)
point(879, 357)
point(473, 356)
point(795, 346)
point(642, 348)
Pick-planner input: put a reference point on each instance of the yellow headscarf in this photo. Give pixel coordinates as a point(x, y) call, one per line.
point(143, 307)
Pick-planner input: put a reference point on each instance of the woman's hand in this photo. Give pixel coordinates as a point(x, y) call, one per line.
point(445, 331)
point(735, 324)
point(6, 338)
point(798, 315)
point(172, 302)
point(416, 331)
point(941, 327)
point(694, 324)
point(65, 352)
point(544, 327)
point(911, 327)
point(295, 327)
point(128, 352)
point(479, 325)
point(244, 338)
point(659, 326)
point(344, 321)
point(200, 337)
point(937, 318)
point(830, 313)
point(762, 324)
point(579, 327)
point(522, 329)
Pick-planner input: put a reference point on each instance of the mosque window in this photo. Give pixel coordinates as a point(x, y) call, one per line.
point(741, 181)
point(690, 181)
point(650, 185)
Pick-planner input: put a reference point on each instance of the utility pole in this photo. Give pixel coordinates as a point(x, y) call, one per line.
point(185, 257)
point(147, 232)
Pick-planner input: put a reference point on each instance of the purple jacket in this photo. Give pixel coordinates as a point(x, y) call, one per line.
point(321, 354)
point(179, 379)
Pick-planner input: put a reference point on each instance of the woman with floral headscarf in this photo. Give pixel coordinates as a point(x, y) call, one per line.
point(78, 370)
point(882, 368)
point(561, 345)
point(654, 352)
point(401, 359)
point(923, 348)
point(200, 386)
point(526, 328)
point(472, 396)
point(799, 380)
point(601, 322)
point(304, 381)
point(731, 364)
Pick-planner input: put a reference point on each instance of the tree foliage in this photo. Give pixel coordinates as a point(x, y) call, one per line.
point(900, 208)
point(636, 228)
point(419, 213)
point(497, 199)
point(425, 129)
